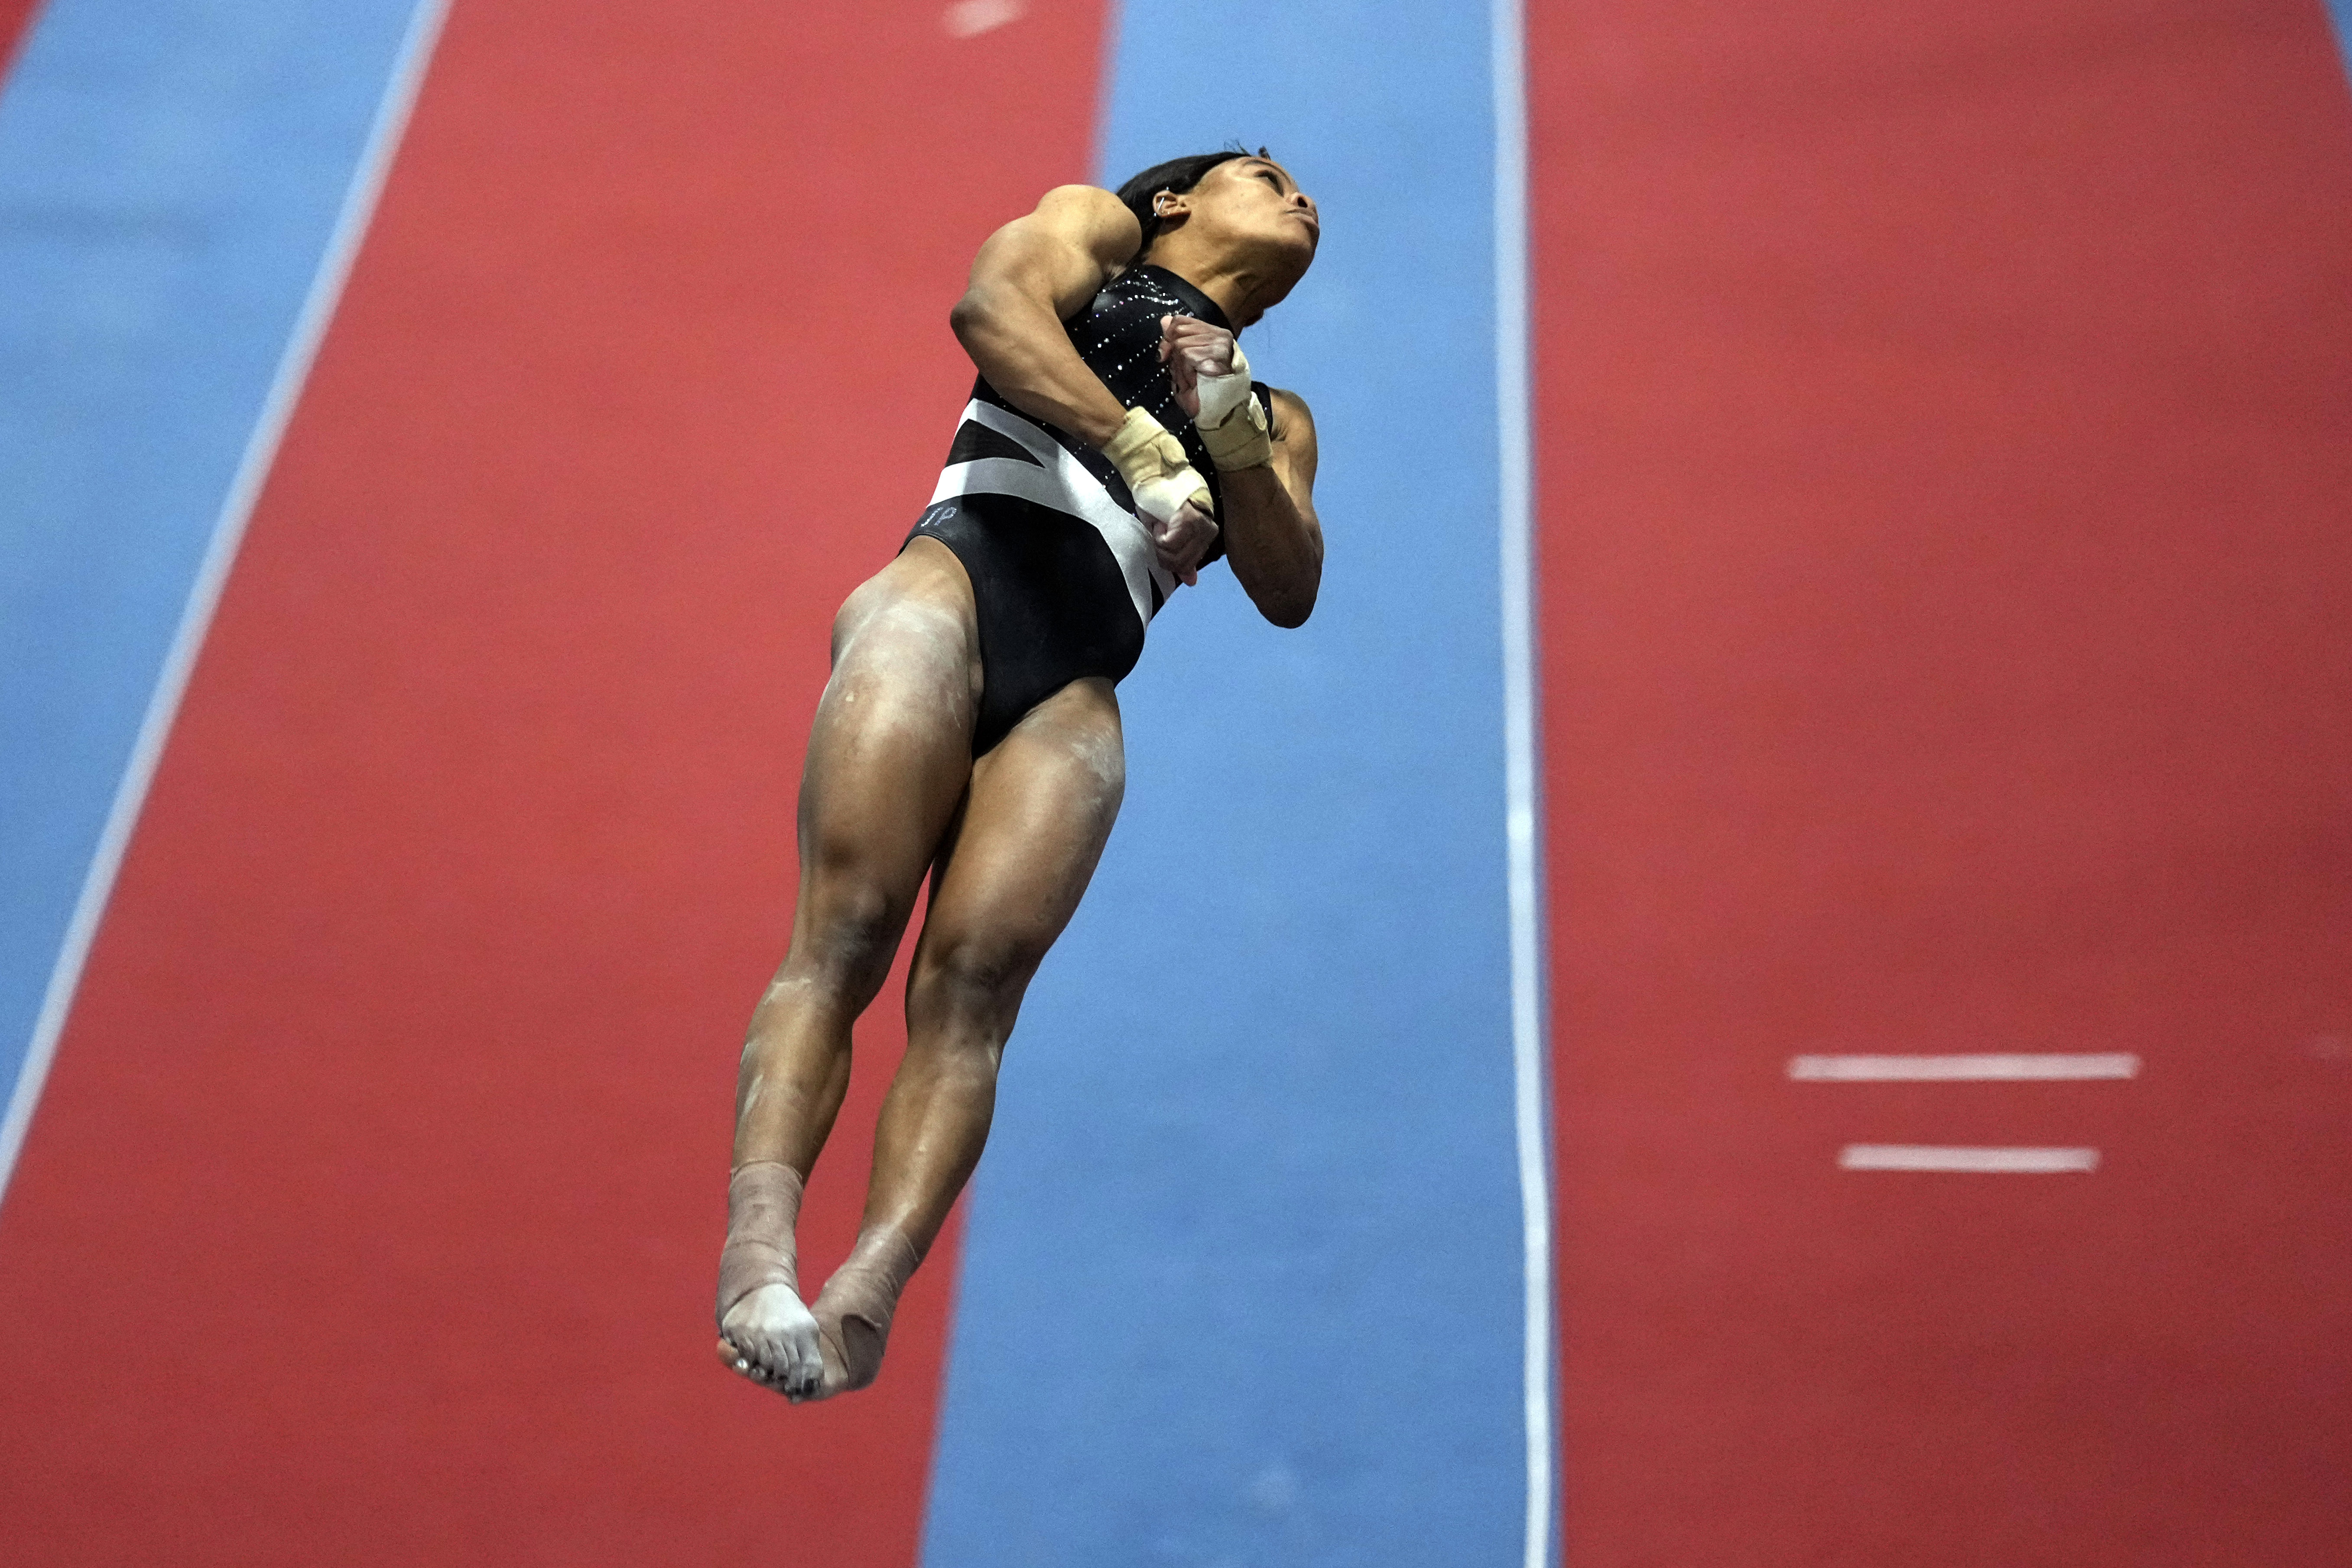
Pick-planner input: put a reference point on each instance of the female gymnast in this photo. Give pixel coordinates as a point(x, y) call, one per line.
point(1113, 445)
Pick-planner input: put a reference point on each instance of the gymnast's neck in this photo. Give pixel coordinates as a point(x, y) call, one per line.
point(1243, 285)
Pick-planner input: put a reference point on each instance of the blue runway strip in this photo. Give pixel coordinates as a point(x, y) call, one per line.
point(171, 173)
point(1243, 1282)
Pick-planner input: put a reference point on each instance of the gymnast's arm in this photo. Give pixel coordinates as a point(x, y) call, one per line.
point(1272, 536)
point(1029, 277)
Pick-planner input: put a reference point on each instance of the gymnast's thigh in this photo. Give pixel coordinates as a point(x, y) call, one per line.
point(1040, 810)
point(888, 758)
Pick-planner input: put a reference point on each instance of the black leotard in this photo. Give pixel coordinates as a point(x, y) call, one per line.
point(1064, 576)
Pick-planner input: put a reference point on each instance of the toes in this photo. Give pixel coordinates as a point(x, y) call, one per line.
point(770, 1339)
point(744, 1363)
point(736, 1361)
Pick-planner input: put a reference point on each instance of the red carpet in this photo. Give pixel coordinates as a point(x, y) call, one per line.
point(16, 19)
point(1947, 421)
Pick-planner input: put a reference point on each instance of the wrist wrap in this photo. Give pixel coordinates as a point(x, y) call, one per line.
point(1152, 462)
point(1233, 422)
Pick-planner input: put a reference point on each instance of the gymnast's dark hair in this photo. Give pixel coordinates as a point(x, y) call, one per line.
point(1175, 177)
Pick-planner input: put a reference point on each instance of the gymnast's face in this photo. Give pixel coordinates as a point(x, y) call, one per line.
point(1251, 208)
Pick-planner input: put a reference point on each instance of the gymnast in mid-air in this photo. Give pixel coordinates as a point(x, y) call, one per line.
point(1114, 445)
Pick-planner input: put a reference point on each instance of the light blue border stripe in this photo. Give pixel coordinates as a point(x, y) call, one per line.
point(181, 187)
point(2340, 13)
point(1245, 1278)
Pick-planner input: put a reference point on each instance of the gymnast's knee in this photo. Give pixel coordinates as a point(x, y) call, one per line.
point(846, 948)
point(972, 981)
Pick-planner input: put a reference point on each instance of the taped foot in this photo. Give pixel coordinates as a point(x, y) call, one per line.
point(853, 1311)
point(765, 1331)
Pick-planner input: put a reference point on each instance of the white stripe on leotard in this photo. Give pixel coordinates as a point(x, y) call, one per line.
point(1060, 482)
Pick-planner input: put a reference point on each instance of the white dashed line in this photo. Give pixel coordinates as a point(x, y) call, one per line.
point(969, 18)
point(1933, 1157)
point(2044, 1066)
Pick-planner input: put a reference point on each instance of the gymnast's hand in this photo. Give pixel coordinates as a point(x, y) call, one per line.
point(1192, 350)
point(1171, 501)
point(1183, 540)
point(1212, 377)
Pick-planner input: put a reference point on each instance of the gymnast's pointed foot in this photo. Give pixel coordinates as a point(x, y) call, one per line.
point(771, 1337)
point(854, 1310)
point(765, 1331)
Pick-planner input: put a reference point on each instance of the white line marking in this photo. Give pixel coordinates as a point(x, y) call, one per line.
point(1515, 477)
point(1985, 1067)
point(204, 594)
point(969, 18)
point(1932, 1157)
